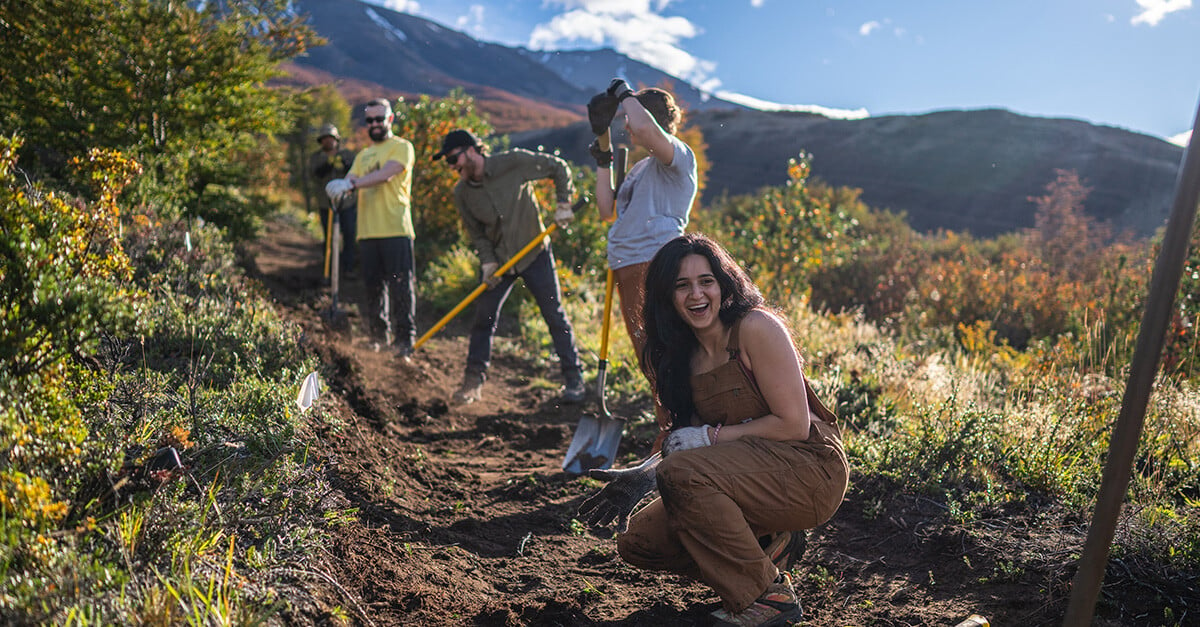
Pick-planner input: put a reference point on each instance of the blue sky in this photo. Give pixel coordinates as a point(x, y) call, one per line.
point(1133, 64)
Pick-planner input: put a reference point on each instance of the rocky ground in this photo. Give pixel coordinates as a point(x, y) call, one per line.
point(462, 515)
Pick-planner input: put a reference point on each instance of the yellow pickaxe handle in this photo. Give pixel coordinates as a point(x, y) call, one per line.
point(533, 243)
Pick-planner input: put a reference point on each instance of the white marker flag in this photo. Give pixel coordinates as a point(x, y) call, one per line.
point(309, 391)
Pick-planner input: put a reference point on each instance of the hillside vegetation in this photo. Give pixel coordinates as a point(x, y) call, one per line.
point(156, 468)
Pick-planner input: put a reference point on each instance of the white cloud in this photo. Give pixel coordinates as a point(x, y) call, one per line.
point(473, 20)
point(635, 28)
point(763, 105)
point(866, 28)
point(1153, 11)
point(878, 25)
point(399, 6)
point(1181, 139)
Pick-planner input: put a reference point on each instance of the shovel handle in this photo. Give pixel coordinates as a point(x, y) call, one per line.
point(533, 243)
point(608, 299)
point(619, 165)
point(328, 238)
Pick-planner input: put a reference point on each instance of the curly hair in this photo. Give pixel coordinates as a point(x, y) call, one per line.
point(661, 105)
point(670, 341)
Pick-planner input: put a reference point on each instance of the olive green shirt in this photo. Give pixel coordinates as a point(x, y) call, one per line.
point(501, 213)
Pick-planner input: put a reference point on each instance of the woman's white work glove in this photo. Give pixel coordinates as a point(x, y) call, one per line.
point(337, 188)
point(685, 438)
point(563, 215)
point(626, 488)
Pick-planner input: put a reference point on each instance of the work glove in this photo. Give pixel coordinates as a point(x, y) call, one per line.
point(603, 157)
point(619, 90)
point(488, 270)
point(615, 501)
point(563, 215)
point(602, 108)
point(337, 189)
point(685, 438)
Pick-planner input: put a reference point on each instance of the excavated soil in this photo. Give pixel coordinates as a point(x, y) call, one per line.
point(462, 515)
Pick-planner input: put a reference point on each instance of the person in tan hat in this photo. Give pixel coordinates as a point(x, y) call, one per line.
point(330, 162)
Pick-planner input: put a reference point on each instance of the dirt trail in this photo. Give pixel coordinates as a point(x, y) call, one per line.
point(463, 515)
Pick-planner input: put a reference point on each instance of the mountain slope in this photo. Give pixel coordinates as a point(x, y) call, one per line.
point(962, 170)
point(407, 54)
point(412, 54)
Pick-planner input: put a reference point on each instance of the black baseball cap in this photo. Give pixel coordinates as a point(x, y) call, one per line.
point(455, 139)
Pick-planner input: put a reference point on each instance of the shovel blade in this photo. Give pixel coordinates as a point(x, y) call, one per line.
point(594, 445)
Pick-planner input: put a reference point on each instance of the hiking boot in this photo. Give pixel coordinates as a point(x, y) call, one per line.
point(404, 352)
point(778, 605)
point(471, 388)
point(785, 548)
point(573, 391)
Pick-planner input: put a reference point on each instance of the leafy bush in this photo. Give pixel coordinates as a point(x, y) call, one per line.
point(62, 271)
point(784, 234)
point(100, 377)
point(425, 123)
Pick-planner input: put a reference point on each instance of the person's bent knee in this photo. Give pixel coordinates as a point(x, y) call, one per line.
point(675, 471)
point(636, 553)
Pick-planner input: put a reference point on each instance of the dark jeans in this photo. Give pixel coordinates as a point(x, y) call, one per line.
point(348, 221)
point(390, 286)
point(542, 281)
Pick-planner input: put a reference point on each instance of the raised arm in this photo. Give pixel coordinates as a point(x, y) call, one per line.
point(606, 195)
point(642, 124)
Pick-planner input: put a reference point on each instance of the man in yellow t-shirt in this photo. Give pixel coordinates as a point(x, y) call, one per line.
point(382, 178)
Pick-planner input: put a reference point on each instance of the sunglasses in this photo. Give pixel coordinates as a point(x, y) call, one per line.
point(452, 157)
point(379, 119)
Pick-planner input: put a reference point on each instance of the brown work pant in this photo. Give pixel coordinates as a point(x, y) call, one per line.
point(631, 286)
point(717, 500)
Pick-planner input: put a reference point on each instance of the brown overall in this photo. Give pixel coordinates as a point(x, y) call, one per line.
point(716, 501)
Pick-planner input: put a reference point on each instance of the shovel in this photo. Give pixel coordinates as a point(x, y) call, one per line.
point(483, 286)
point(598, 437)
point(334, 316)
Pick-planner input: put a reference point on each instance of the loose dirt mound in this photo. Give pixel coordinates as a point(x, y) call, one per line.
point(461, 515)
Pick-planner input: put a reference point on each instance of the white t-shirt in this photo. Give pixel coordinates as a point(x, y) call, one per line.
point(652, 205)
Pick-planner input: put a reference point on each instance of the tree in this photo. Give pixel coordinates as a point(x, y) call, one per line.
point(425, 123)
point(1064, 236)
point(182, 90)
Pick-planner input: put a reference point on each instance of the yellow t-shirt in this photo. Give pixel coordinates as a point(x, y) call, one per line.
point(385, 210)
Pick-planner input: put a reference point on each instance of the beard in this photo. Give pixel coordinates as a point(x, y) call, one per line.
point(378, 133)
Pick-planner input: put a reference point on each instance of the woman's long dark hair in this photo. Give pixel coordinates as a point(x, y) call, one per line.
point(670, 342)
